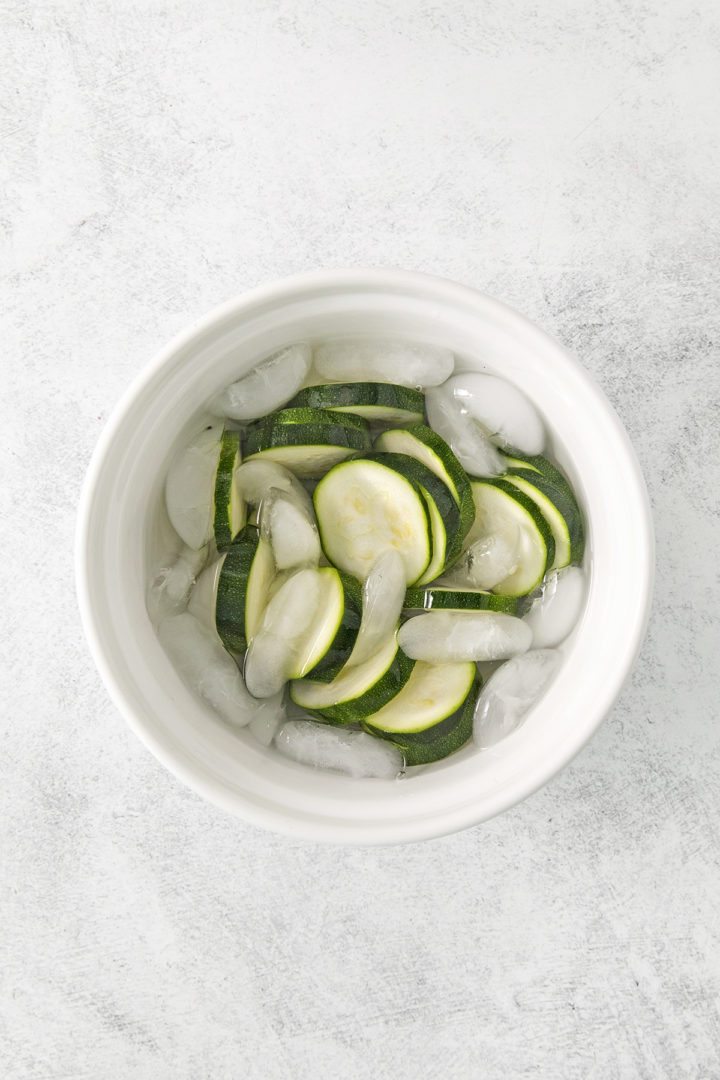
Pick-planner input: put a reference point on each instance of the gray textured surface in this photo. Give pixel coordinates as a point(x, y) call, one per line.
point(162, 157)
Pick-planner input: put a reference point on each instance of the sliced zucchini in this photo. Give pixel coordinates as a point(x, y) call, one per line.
point(311, 622)
point(447, 737)
point(443, 598)
point(443, 511)
point(332, 635)
point(439, 539)
point(377, 402)
point(432, 715)
point(536, 463)
point(547, 486)
point(307, 441)
point(230, 510)
point(501, 508)
point(357, 691)
point(424, 444)
point(366, 507)
point(561, 513)
point(512, 462)
point(232, 593)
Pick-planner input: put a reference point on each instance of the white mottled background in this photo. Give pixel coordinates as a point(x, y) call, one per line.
point(159, 157)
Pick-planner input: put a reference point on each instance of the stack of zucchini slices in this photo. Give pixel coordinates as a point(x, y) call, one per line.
point(357, 463)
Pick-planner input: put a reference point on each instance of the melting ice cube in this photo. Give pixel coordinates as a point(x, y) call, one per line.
point(467, 439)
point(210, 671)
point(510, 693)
point(190, 487)
point(402, 362)
point(556, 607)
point(503, 410)
point(339, 749)
point(446, 636)
point(267, 387)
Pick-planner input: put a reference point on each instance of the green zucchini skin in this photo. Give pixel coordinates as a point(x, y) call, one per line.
point(561, 495)
point(438, 741)
point(537, 463)
point(224, 480)
point(444, 599)
point(342, 644)
point(307, 427)
point(351, 711)
point(423, 440)
point(366, 399)
point(233, 587)
point(422, 477)
point(532, 509)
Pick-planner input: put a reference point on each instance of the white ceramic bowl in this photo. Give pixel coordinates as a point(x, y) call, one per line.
point(121, 518)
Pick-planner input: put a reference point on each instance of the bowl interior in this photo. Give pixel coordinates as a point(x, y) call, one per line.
point(124, 532)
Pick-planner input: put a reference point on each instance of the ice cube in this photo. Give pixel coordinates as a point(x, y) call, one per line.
point(468, 440)
point(510, 693)
point(338, 749)
point(485, 563)
point(556, 607)
point(503, 410)
point(190, 487)
point(203, 599)
point(273, 653)
point(403, 362)
point(267, 387)
point(290, 529)
point(383, 597)
point(264, 728)
point(210, 671)
point(169, 588)
point(255, 480)
point(444, 636)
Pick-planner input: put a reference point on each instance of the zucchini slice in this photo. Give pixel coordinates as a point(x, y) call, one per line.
point(332, 634)
point(311, 622)
point(516, 461)
point(561, 513)
point(307, 441)
point(365, 507)
point(357, 691)
point(443, 598)
point(424, 444)
point(230, 510)
point(232, 593)
point(547, 486)
point(377, 402)
point(443, 511)
point(433, 713)
point(502, 508)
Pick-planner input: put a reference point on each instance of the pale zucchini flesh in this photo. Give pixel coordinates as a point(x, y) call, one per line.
point(556, 499)
point(440, 739)
point(557, 523)
point(356, 691)
point(332, 634)
point(433, 693)
point(426, 446)
point(364, 508)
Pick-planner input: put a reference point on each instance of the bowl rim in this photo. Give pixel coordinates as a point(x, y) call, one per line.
point(180, 763)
